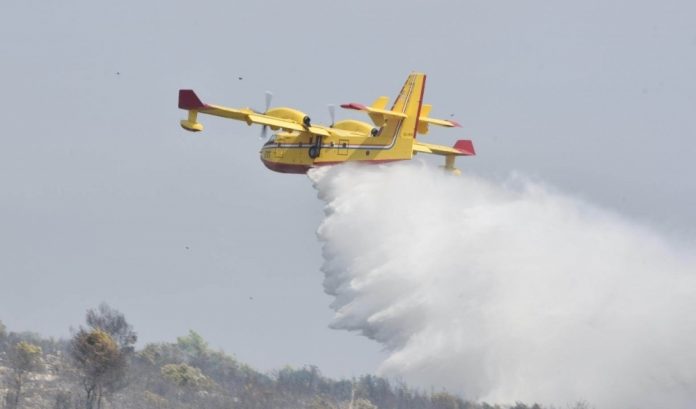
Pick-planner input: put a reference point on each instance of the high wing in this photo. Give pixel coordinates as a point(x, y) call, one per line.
point(287, 119)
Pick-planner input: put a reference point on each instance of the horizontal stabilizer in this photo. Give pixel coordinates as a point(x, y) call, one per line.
point(361, 107)
point(424, 121)
point(377, 114)
point(462, 147)
point(441, 122)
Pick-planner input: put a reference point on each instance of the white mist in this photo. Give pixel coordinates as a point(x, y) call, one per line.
point(505, 293)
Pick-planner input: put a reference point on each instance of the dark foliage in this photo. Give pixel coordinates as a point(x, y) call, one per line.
point(100, 367)
point(113, 323)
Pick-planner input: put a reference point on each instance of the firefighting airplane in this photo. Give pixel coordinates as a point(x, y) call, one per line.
point(300, 145)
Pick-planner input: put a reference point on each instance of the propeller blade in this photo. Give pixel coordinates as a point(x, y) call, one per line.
point(269, 97)
point(332, 113)
point(264, 129)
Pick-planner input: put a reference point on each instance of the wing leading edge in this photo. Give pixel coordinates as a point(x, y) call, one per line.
point(287, 119)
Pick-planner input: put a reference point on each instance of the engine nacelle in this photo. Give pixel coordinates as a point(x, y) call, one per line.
point(291, 114)
point(357, 126)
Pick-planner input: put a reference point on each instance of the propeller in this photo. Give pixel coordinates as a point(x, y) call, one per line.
point(332, 114)
point(269, 97)
point(264, 129)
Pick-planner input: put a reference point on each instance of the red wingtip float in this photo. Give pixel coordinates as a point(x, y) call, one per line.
point(465, 146)
point(299, 145)
point(189, 100)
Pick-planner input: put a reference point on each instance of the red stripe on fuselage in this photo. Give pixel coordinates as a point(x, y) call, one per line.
point(301, 169)
point(420, 104)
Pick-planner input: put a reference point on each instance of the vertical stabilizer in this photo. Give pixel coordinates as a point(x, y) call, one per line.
point(408, 102)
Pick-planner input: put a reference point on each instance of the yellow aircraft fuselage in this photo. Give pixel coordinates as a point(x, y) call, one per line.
point(300, 145)
point(297, 153)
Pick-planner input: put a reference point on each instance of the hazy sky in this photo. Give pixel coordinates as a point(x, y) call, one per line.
point(103, 197)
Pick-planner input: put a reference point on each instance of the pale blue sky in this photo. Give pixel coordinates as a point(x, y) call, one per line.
point(101, 191)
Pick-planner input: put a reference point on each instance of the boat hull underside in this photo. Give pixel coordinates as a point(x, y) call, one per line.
point(298, 161)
